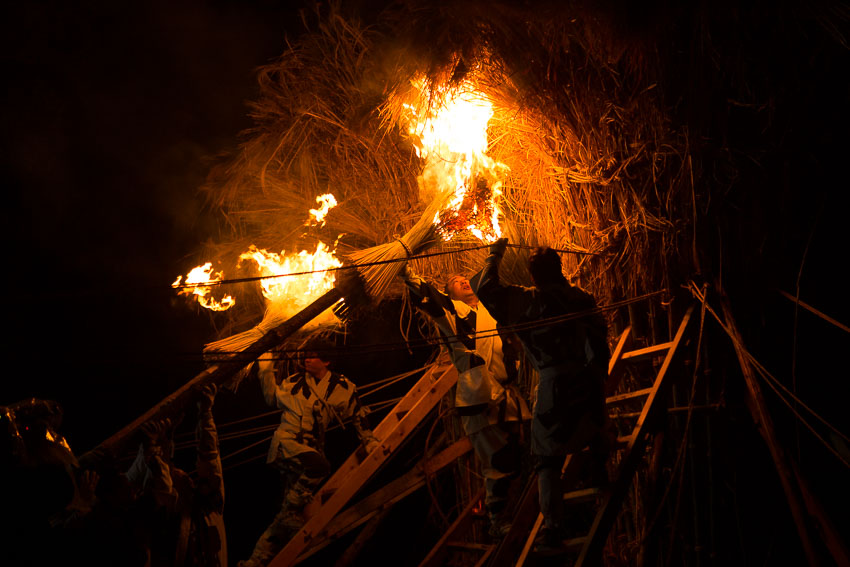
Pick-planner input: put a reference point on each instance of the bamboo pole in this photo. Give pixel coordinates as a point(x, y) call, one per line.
point(764, 424)
point(347, 287)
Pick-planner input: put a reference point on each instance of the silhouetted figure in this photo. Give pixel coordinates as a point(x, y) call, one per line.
point(186, 525)
point(565, 339)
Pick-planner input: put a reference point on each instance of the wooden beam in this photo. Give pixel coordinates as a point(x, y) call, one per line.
point(353, 550)
point(219, 373)
point(628, 396)
point(615, 364)
point(388, 495)
point(764, 424)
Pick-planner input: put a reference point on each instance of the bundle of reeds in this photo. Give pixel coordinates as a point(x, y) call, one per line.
point(380, 267)
point(383, 263)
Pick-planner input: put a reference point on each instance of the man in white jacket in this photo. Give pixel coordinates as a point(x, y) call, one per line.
point(490, 407)
point(311, 401)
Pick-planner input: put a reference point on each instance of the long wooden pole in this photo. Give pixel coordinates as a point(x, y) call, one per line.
point(764, 424)
point(225, 369)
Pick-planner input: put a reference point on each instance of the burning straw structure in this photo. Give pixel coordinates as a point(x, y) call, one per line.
point(588, 120)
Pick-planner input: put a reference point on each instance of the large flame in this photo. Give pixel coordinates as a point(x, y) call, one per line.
point(293, 293)
point(286, 294)
point(199, 283)
point(452, 139)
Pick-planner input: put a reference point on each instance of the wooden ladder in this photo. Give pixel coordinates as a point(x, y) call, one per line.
point(393, 430)
point(516, 548)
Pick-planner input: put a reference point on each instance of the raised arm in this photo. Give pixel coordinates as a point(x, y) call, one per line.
point(279, 396)
point(210, 475)
point(506, 303)
point(424, 295)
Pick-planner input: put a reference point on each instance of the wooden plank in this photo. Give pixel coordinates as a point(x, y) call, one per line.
point(628, 396)
point(615, 364)
point(607, 513)
point(390, 422)
point(584, 495)
point(469, 546)
point(388, 495)
point(646, 352)
point(323, 512)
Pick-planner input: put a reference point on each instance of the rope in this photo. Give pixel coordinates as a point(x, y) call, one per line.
point(295, 353)
point(406, 248)
point(770, 380)
point(814, 311)
point(373, 387)
point(410, 256)
point(337, 269)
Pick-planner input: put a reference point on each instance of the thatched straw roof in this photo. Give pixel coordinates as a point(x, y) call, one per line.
point(582, 123)
point(665, 140)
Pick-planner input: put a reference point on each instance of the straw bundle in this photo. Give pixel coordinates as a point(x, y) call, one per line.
point(384, 259)
point(594, 163)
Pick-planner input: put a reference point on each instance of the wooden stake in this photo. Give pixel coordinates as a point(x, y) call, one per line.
point(764, 424)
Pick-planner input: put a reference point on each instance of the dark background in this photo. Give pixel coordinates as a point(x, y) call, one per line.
point(113, 114)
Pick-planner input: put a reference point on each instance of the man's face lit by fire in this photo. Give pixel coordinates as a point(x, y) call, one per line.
point(315, 366)
point(459, 289)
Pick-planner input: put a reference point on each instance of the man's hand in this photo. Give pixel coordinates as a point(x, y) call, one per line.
point(498, 247)
point(206, 397)
point(371, 443)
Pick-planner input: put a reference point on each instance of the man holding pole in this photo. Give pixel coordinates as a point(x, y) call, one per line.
point(564, 337)
point(311, 401)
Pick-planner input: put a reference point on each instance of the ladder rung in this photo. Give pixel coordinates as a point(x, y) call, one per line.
point(644, 352)
point(581, 495)
point(627, 396)
point(575, 543)
point(469, 546)
point(625, 439)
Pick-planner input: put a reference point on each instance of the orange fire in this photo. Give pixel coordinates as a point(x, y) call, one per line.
point(286, 294)
point(317, 216)
point(452, 139)
point(290, 294)
point(199, 283)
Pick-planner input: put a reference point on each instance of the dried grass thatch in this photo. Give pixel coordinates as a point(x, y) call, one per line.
point(594, 164)
point(609, 152)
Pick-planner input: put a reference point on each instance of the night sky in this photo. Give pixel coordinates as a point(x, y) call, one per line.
point(113, 115)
